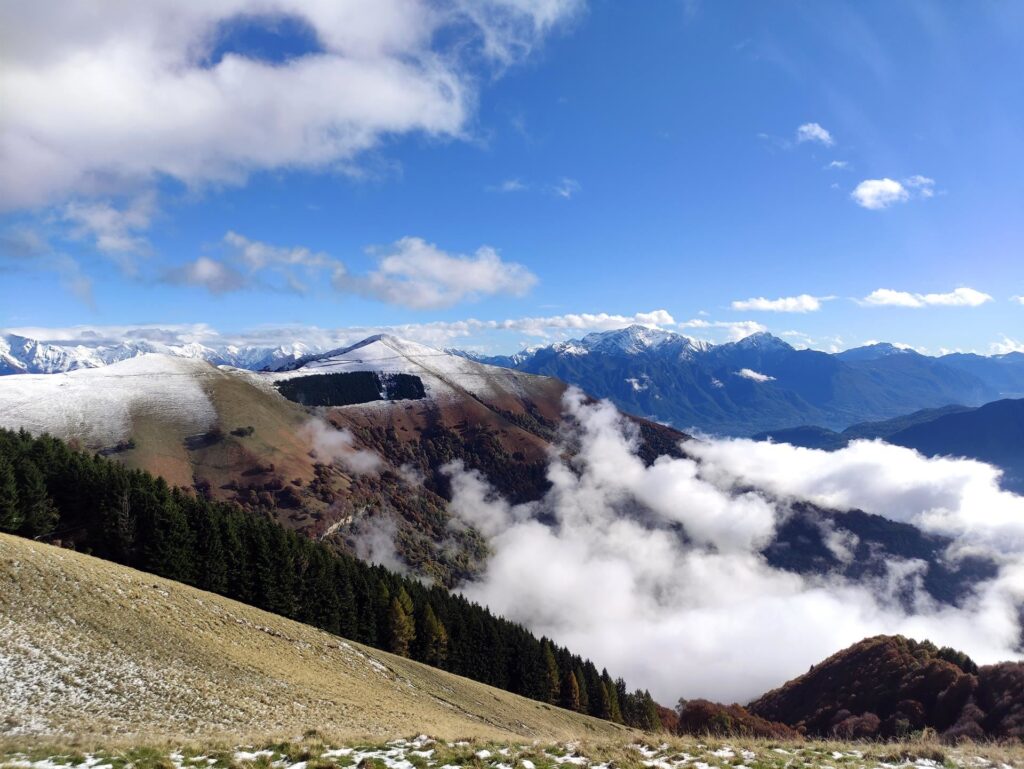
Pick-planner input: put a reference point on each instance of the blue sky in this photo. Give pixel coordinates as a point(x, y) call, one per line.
point(415, 165)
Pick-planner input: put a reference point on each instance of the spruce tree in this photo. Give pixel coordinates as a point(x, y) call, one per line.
point(11, 516)
point(39, 516)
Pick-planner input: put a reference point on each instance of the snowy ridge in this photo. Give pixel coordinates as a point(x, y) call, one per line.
point(443, 375)
point(99, 405)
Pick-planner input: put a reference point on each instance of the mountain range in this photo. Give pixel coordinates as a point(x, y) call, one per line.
point(354, 446)
point(762, 383)
point(740, 388)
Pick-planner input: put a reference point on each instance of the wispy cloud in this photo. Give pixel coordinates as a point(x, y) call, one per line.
point(565, 187)
point(214, 276)
point(801, 303)
point(114, 231)
point(960, 297)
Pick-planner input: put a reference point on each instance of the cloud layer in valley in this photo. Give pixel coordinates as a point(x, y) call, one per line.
point(656, 572)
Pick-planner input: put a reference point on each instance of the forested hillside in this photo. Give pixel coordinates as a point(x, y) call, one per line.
point(51, 492)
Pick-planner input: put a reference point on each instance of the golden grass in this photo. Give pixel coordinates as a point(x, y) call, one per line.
point(91, 650)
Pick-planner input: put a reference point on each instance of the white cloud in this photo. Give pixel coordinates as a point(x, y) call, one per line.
point(510, 185)
point(1017, 299)
point(336, 445)
point(411, 273)
point(734, 330)
point(924, 186)
point(1006, 346)
point(960, 297)
point(101, 98)
point(837, 165)
point(437, 333)
point(204, 272)
point(801, 303)
point(114, 231)
point(876, 194)
point(565, 187)
point(754, 376)
point(814, 132)
point(417, 274)
point(672, 552)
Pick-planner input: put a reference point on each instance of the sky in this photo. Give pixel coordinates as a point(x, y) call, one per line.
point(502, 173)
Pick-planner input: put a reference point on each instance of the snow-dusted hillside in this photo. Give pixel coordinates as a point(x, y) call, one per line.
point(100, 405)
point(443, 374)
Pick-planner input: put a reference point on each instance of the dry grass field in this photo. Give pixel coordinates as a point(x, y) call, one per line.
point(314, 752)
point(91, 649)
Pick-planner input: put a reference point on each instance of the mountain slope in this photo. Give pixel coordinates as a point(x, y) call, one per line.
point(92, 649)
point(369, 477)
point(358, 474)
point(889, 686)
point(755, 384)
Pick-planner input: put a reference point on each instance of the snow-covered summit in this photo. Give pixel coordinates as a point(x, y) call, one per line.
point(442, 373)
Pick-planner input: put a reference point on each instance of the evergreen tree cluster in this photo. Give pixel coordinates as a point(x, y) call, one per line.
point(50, 491)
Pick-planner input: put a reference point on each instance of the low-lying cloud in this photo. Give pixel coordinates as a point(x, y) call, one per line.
point(656, 572)
point(334, 445)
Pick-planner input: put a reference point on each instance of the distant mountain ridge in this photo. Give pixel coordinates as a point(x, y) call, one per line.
point(22, 355)
point(762, 383)
point(992, 433)
point(757, 384)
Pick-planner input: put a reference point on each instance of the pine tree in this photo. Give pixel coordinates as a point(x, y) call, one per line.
point(400, 627)
point(39, 516)
point(11, 516)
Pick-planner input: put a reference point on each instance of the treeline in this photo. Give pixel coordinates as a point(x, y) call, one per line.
point(52, 492)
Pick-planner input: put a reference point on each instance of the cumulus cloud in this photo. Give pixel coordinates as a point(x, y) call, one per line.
point(110, 97)
point(814, 132)
point(339, 446)
point(876, 194)
point(754, 376)
point(960, 297)
point(837, 165)
point(411, 273)
point(801, 303)
point(656, 572)
point(418, 274)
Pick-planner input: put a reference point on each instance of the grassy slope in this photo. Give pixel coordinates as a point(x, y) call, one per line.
point(90, 648)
